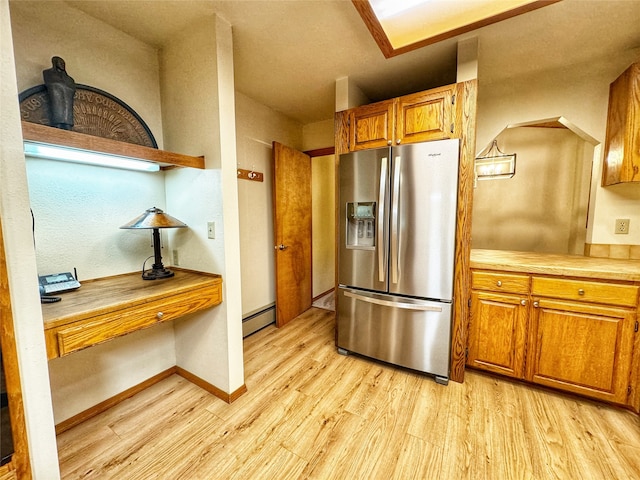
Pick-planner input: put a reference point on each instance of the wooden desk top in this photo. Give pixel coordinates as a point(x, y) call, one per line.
point(555, 264)
point(105, 295)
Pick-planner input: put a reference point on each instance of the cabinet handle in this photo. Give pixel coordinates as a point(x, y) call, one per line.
point(536, 304)
point(580, 291)
point(159, 315)
point(499, 283)
point(523, 302)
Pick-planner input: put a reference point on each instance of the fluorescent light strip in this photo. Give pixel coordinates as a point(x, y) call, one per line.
point(74, 155)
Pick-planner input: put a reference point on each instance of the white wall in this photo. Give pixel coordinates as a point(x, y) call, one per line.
point(323, 201)
point(21, 269)
point(257, 127)
point(580, 94)
point(199, 59)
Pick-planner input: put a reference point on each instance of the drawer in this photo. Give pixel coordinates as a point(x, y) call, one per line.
point(500, 282)
point(114, 324)
point(586, 291)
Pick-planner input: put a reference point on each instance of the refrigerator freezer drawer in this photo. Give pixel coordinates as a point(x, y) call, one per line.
point(403, 331)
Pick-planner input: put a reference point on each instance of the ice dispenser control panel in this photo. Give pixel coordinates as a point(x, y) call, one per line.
point(361, 225)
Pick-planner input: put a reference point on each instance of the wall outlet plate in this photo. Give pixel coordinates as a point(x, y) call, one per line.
point(622, 225)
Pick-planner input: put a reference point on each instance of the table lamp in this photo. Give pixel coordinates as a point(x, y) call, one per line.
point(155, 219)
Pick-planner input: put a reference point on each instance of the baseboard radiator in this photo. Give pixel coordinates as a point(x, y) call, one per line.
point(258, 319)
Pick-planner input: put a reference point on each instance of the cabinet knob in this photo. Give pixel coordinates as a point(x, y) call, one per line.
point(159, 315)
point(398, 141)
point(523, 302)
point(536, 304)
point(389, 142)
point(580, 291)
point(499, 283)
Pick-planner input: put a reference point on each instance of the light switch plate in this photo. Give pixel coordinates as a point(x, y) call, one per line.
point(211, 230)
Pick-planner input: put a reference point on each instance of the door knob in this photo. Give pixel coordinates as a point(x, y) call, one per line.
point(281, 247)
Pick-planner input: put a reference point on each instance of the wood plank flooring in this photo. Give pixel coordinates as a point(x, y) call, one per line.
point(311, 413)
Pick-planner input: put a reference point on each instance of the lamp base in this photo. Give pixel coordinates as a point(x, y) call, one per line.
point(157, 273)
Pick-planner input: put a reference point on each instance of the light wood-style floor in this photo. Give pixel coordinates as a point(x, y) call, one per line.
point(311, 413)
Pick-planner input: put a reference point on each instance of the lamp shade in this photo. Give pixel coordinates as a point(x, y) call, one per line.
point(154, 218)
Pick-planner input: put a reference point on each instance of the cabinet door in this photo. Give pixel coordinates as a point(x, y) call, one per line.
point(371, 126)
point(581, 348)
point(426, 116)
point(622, 142)
point(497, 332)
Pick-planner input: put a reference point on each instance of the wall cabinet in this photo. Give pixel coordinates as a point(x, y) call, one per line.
point(622, 142)
point(571, 334)
point(419, 117)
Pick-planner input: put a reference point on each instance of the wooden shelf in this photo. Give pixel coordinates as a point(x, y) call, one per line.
point(106, 308)
point(55, 136)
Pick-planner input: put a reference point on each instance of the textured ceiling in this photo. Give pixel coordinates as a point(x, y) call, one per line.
point(288, 53)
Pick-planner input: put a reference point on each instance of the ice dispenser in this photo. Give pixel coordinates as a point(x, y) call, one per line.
point(361, 225)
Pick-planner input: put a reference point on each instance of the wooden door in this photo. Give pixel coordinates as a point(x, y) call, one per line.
point(582, 348)
point(371, 126)
point(426, 116)
point(497, 333)
point(292, 232)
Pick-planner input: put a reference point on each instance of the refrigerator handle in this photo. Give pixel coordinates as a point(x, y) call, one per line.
point(390, 303)
point(395, 220)
point(382, 272)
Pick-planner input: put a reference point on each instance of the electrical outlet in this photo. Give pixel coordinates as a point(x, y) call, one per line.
point(211, 230)
point(175, 257)
point(622, 225)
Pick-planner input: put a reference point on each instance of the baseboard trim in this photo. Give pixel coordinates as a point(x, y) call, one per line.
point(130, 392)
point(321, 295)
point(112, 402)
point(212, 389)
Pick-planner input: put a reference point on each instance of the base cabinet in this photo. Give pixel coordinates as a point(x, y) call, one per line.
point(497, 338)
point(584, 349)
point(570, 334)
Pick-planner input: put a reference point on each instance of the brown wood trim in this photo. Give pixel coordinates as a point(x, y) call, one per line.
point(20, 460)
point(56, 136)
point(375, 28)
point(466, 118)
point(212, 389)
point(112, 402)
point(322, 295)
point(7, 472)
point(321, 152)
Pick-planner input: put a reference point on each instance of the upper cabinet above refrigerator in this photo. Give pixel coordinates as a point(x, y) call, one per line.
point(418, 117)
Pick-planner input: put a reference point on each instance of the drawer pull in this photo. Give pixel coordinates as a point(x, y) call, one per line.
point(523, 302)
point(580, 291)
point(159, 315)
point(499, 283)
point(536, 304)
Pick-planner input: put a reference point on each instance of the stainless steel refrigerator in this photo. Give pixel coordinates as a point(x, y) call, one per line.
point(396, 254)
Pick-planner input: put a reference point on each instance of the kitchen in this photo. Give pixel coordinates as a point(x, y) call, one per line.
point(539, 95)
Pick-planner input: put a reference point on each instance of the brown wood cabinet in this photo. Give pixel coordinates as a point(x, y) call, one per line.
point(418, 117)
point(498, 324)
point(110, 307)
point(575, 335)
point(622, 142)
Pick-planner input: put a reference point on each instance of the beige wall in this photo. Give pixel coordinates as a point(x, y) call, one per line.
point(323, 194)
point(580, 94)
point(536, 209)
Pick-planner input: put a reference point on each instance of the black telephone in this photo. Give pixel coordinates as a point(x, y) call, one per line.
point(56, 283)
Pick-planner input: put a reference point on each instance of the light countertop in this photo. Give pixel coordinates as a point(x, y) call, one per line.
point(555, 264)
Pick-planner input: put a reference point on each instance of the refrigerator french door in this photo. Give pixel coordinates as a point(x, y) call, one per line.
point(396, 255)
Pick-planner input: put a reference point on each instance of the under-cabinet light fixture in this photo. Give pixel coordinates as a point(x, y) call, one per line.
point(74, 155)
